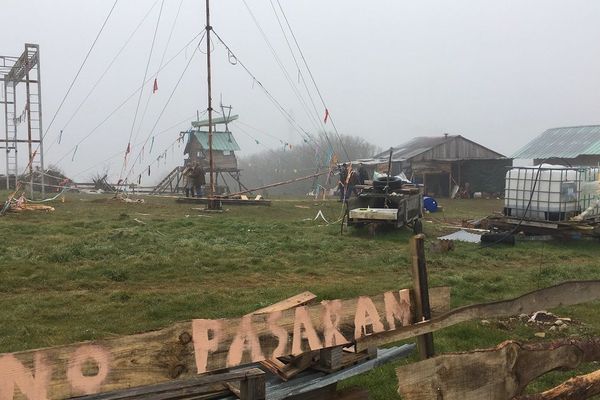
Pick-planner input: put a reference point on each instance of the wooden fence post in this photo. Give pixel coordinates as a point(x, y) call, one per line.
point(421, 292)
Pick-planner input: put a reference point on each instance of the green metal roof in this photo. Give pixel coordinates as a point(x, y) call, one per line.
point(568, 142)
point(222, 141)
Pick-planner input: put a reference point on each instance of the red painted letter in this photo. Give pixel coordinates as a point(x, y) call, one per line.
point(202, 343)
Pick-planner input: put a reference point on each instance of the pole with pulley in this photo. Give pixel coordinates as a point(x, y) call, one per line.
point(213, 203)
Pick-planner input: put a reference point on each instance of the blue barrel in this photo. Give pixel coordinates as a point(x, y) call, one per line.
point(430, 204)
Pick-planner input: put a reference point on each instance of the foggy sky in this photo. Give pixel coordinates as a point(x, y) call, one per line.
point(498, 72)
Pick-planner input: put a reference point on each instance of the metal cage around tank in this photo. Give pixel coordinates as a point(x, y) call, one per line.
point(550, 193)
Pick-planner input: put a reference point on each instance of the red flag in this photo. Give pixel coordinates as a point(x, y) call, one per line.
point(326, 116)
point(155, 88)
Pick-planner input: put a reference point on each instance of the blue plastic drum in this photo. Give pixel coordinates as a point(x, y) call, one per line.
point(430, 204)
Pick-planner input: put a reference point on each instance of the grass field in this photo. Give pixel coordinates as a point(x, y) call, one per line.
point(90, 270)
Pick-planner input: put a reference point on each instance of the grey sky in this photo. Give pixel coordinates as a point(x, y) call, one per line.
point(496, 72)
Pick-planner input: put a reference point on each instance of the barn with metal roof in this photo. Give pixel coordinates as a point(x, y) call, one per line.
point(572, 145)
point(446, 163)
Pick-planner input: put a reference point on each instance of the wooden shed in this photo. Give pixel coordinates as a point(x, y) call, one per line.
point(224, 147)
point(446, 163)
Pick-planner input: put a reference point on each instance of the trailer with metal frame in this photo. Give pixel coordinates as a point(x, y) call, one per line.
point(397, 207)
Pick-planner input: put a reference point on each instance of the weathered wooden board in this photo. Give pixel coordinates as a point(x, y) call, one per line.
point(291, 302)
point(564, 294)
point(193, 347)
point(494, 374)
point(209, 386)
point(576, 388)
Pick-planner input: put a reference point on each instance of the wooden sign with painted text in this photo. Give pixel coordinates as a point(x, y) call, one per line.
point(201, 345)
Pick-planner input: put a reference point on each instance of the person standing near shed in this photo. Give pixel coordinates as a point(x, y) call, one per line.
point(199, 179)
point(188, 180)
point(342, 183)
point(363, 174)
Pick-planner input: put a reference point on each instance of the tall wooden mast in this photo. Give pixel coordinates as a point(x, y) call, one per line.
point(211, 203)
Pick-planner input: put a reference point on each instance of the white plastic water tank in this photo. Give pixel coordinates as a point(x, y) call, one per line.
point(555, 191)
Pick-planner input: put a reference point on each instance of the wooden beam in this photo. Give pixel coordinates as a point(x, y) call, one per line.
point(192, 347)
point(564, 294)
point(291, 302)
point(577, 388)
point(207, 385)
point(494, 374)
point(421, 293)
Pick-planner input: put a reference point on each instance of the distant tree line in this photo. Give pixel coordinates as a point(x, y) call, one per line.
point(299, 160)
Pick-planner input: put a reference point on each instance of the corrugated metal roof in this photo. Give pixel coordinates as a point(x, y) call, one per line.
point(414, 147)
point(222, 141)
point(567, 142)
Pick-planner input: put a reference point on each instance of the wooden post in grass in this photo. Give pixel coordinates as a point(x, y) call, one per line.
point(421, 293)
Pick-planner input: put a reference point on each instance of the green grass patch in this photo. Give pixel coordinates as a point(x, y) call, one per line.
point(90, 271)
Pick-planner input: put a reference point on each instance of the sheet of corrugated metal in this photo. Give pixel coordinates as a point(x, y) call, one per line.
point(567, 142)
point(222, 141)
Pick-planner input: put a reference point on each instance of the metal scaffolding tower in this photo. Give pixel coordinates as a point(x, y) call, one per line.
point(14, 70)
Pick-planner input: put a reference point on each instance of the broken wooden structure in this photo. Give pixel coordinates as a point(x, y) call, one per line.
point(186, 349)
point(558, 229)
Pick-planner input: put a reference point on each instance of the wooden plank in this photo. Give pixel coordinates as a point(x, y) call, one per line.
point(494, 374)
point(301, 386)
point(197, 386)
point(192, 347)
point(253, 388)
point(564, 294)
point(576, 388)
point(275, 366)
point(421, 293)
point(291, 302)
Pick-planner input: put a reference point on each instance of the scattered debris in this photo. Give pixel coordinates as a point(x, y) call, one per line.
point(125, 199)
point(139, 221)
point(22, 204)
point(542, 316)
point(462, 236)
point(541, 321)
point(480, 223)
point(442, 246)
